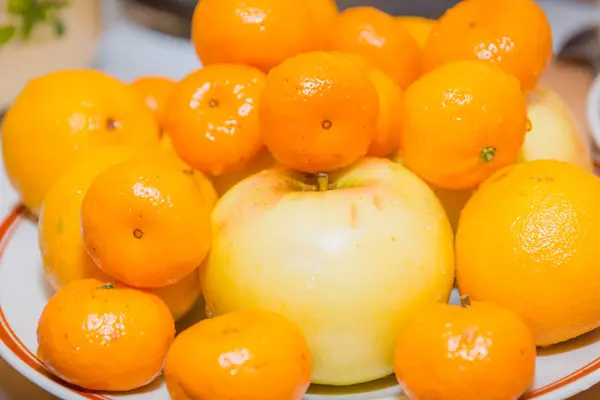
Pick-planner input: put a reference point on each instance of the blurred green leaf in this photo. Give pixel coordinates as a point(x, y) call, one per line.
point(59, 27)
point(7, 32)
point(19, 6)
point(31, 17)
point(34, 12)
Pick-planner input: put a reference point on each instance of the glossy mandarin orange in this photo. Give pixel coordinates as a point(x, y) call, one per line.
point(389, 123)
point(419, 27)
point(64, 256)
point(379, 38)
point(527, 240)
point(156, 91)
point(448, 352)
point(104, 337)
point(461, 123)
point(212, 117)
point(59, 116)
point(513, 34)
point(318, 112)
point(146, 223)
point(250, 355)
point(259, 33)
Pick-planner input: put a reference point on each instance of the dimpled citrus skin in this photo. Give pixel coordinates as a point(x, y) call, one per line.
point(212, 117)
point(462, 122)
point(379, 38)
point(527, 240)
point(109, 339)
point(59, 116)
point(146, 223)
point(514, 34)
point(318, 111)
point(249, 355)
point(447, 352)
point(259, 33)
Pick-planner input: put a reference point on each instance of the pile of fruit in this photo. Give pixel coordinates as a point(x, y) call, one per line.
point(321, 182)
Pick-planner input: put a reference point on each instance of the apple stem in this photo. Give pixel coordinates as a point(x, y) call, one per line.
point(465, 301)
point(322, 181)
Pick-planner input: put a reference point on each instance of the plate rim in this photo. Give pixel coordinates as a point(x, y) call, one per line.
point(18, 356)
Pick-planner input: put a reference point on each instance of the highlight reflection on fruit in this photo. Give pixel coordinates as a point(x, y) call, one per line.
point(348, 261)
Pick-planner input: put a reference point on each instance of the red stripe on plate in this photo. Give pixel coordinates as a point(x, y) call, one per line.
point(10, 339)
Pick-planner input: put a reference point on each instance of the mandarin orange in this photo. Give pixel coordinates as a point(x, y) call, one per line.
point(146, 223)
point(59, 116)
point(322, 14)
point(212, 117)
point(259, 33)
point(250, 355)
point(527, 240)
point(318, 111)
point(513, 34)
point(389, 123)
point(64, 256)
point(381, 39)
point(156, 91)
point(104, 337)
point(475, 352)
point(462, 122)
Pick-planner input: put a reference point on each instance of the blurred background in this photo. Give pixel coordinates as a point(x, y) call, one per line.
point(131, 38)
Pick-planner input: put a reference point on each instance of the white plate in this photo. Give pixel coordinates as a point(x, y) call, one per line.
point(562, 371)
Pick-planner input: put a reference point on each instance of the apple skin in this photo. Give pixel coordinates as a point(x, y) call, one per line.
point(348, 264)
point(555, 134)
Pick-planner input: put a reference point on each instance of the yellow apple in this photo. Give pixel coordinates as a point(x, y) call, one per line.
point(554, 134)
point(347, 261)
